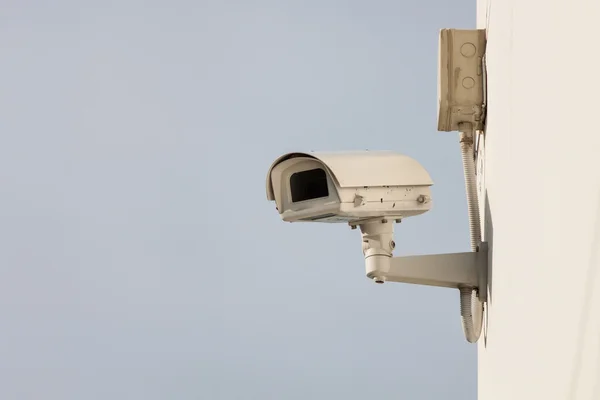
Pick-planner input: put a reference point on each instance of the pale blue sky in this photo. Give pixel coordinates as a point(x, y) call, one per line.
point(139, 257)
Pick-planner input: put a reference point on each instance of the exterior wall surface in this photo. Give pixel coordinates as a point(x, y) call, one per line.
point(540, 189)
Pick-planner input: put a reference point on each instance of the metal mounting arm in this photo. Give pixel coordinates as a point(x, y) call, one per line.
point(444, 270)
point(454, 270)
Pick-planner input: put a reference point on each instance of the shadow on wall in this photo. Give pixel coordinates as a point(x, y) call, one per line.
point(489, 237)
point(586, 320)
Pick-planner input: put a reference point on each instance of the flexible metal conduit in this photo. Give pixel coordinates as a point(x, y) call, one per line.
point(471, 323)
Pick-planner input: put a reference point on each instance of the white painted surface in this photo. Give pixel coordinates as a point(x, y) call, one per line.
point(542, 177)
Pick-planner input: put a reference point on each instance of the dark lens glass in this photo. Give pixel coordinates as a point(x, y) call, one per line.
point(308, 185)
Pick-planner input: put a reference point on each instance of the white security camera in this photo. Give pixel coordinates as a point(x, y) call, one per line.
point(372, 190)
point(348, 187)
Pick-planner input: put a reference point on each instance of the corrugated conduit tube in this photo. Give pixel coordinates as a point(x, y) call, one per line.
point(471, 318)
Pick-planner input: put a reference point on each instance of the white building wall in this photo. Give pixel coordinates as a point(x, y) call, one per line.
point(542, 178)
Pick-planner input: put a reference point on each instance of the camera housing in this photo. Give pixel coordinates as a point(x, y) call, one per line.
point(348, 187)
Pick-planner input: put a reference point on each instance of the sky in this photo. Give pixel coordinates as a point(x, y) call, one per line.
point(139, 256)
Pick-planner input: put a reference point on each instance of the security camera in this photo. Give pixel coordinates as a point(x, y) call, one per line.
point(372, 190)
point(348, 187)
